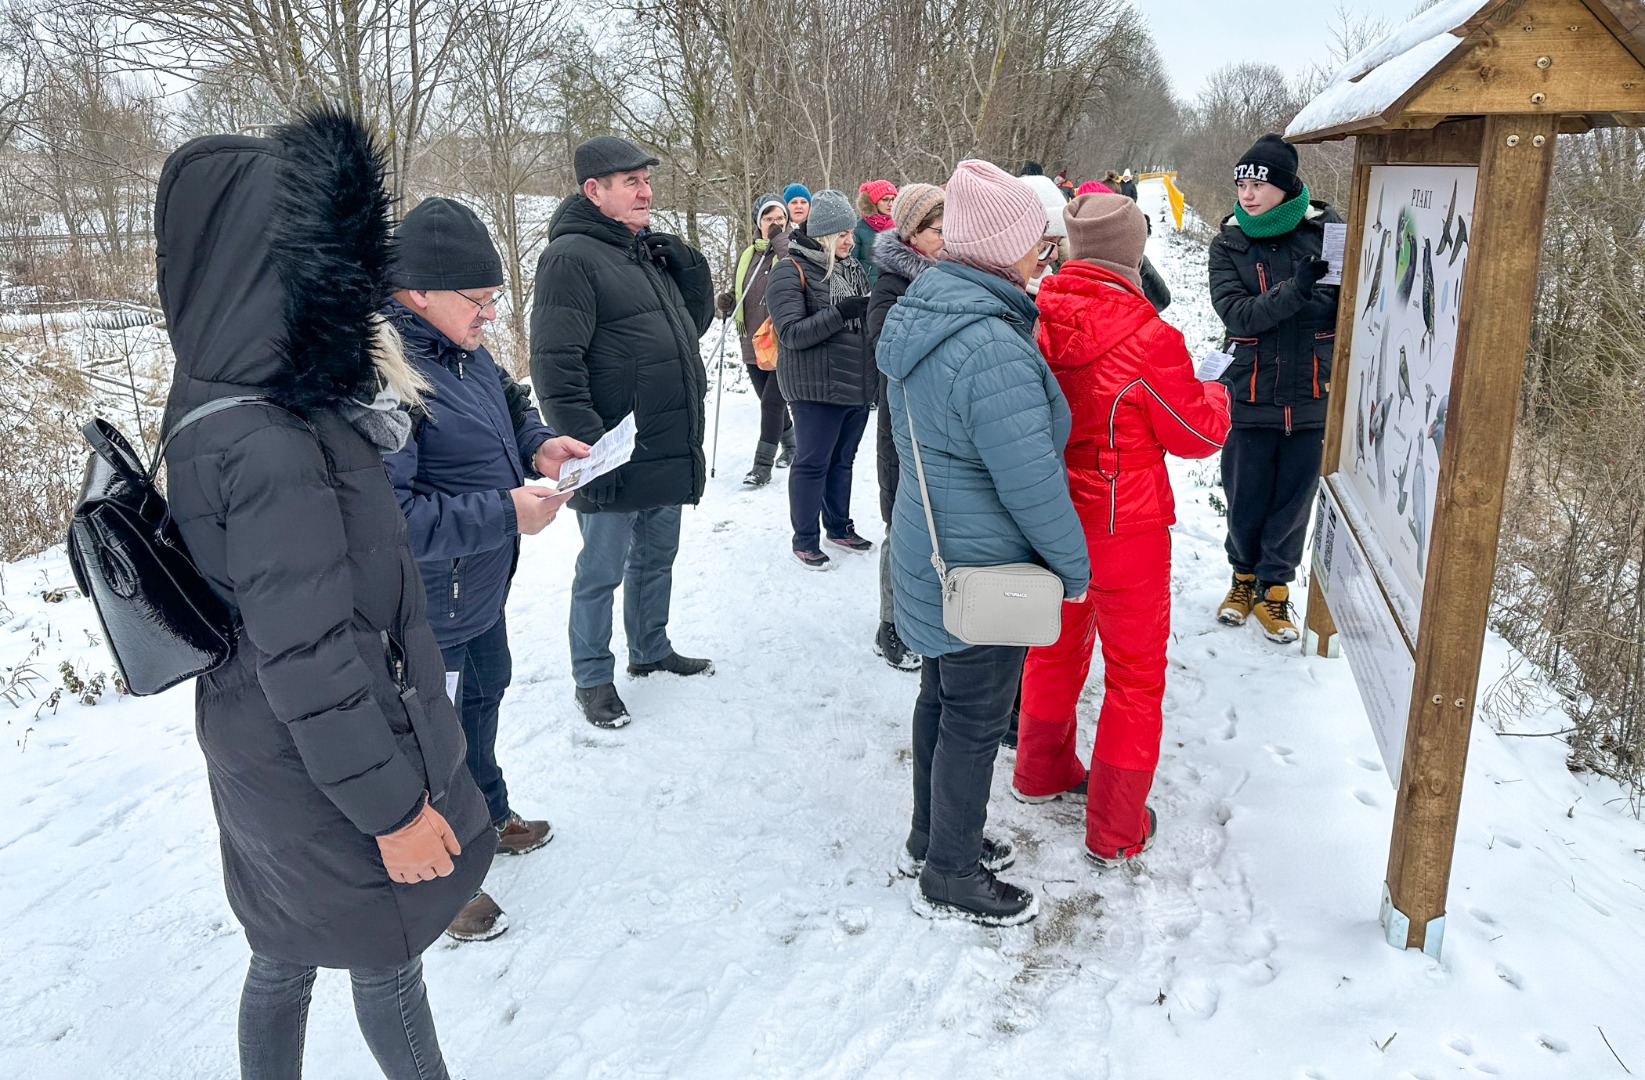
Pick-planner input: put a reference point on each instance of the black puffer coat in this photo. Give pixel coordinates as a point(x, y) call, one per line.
point(899, 266)
point(271, 255)
point(820, 356)
point(611, 334)
point(1281, 339)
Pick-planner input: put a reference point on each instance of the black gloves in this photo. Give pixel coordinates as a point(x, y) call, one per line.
point(1308, 272)
point(602, 489)
point(668, 252)
point(725, 304)
point(852, 307)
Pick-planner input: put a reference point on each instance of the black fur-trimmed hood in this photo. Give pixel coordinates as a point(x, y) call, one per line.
point(272, 260)
point(893, 255)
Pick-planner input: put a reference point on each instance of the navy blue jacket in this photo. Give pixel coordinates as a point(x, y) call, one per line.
point(454, 474)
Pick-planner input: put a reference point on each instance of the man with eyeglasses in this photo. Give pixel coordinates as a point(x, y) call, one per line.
point(617, 313)
point(461, 482)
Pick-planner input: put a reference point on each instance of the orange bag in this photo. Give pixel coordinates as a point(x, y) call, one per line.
point(765, 338)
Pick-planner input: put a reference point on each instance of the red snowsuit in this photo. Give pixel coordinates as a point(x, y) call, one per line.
point(1130, 383)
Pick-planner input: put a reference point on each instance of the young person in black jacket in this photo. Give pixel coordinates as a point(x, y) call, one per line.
point(460, 480)
point(615, 323)
point(903, 252)
point(1265, 270)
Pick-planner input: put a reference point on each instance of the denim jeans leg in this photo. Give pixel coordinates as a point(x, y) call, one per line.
point(599, 571)
point(274, 1019)
point(486, 669)
point(888, 611)
point(976, 687)
point(391, 1004)
point(816, 432)
point(648, 586)
point(927, 714)
point(836, 506)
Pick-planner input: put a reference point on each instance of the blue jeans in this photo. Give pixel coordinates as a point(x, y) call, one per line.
point(391, 1004)
point(965, 705)
point(819, 482)
point(484, 668)
point(636, 551)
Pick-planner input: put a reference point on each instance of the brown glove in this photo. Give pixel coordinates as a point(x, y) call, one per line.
point(420, 851)
point(725, 304)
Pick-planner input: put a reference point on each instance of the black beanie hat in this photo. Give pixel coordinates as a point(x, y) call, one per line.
point(1273, 161)
point(442, 244)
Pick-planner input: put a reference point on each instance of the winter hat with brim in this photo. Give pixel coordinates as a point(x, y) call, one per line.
point(761, 204)
point(1052, 198)
point(796, 191)
point(607, 154)
point(441, 245)
point(1271, 160)
point(1110, 231)
point(914, 204)
point(830, 213)
point(990, 218)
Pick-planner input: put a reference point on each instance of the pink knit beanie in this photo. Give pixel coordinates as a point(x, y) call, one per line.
point(1094, 187)
point(877, 190)
point(990, 217)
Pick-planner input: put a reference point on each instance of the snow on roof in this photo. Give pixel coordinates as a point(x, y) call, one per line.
point(1379, 75)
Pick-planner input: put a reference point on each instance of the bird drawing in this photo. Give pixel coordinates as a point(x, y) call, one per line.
point(1400, 477)
point(1450, 216)
point(1405, 379)
point(1381, 199)
point(1436, 430)
point(1376, 277)
point(1428, 292)
point(1419, 514)
point(1359, 425)
point(1405, 258)
point(1462, 238)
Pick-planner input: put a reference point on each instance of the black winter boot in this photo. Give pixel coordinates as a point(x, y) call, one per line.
point(601, 706)
point(889, 644)
point(760, 475)
point(976, 896)
point(673, 664)
point(785, 457)
point(997, 854)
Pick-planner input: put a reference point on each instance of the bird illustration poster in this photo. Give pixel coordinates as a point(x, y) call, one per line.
point(1414, 255)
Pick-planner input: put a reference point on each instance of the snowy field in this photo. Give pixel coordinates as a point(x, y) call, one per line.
point(720, 901)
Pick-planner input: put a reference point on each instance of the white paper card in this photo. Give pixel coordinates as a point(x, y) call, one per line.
point(452, 678)
point(1336, 243)
point(1212, 366)
point(612, 451)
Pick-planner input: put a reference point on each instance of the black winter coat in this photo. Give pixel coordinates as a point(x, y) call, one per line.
point(820, 356)
point(331, 721)
point(899, 266)
point(1281, 338)
point(611, 334)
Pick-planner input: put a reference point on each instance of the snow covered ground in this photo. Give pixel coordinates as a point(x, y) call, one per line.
point(720, 901)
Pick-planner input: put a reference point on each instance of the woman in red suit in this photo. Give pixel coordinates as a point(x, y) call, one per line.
point(1130, 383)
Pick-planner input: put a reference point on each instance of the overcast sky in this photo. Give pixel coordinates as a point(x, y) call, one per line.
point(1198, 36)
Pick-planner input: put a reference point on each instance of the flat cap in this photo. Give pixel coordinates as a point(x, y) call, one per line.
point(607, 154)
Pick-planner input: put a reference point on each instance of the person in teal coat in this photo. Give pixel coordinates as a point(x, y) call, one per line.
point(959, 357)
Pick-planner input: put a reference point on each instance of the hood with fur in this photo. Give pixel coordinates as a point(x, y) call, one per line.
point(893, 256)
point(272, 261)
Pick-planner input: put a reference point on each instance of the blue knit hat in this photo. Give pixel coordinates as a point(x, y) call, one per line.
point(796, 191)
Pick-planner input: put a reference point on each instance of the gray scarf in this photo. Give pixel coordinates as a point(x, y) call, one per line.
point(848, 278)
point(380, 421)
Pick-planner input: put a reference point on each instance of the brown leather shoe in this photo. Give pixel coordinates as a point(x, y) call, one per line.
point(480, 920)
point(516, 836)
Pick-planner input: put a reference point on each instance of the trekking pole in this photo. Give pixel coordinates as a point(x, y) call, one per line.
point(719, 377)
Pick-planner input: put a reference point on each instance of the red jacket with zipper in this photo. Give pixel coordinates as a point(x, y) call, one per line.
point(1130, 383)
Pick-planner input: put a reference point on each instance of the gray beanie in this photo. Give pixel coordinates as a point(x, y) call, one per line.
point(770, 198)
point(831, 213)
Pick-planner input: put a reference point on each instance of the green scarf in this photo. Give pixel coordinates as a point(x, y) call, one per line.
point(1276, 222)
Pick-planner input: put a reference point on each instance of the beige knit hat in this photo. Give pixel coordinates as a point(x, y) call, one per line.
point(1110, 231)
point(990, 217)
point(913, 205)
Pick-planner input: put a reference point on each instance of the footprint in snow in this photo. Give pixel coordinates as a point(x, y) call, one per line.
point(1366, 797)
point(1282, 754)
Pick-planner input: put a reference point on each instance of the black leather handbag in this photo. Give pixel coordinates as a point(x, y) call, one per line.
point(160, 617)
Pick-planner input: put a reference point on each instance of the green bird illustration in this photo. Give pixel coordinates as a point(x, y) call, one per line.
point(1405, 259)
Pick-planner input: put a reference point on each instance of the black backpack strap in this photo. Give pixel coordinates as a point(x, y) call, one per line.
point(194, 416)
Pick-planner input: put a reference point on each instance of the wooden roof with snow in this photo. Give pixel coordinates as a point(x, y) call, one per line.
point(1580, 60)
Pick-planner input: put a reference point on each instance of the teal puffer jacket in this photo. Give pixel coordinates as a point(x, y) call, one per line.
point(992, 424)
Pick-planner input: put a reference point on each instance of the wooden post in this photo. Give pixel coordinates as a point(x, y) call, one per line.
point(1499, 289)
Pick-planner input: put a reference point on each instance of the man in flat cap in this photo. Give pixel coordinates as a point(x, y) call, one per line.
point(615, 324)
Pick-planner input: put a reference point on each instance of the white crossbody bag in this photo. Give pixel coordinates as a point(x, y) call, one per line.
point(1013, 604)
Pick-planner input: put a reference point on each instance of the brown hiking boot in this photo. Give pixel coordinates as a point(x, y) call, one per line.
point(480, 920)
point(516, 836)
point(1273, 611)
point(1241, 598)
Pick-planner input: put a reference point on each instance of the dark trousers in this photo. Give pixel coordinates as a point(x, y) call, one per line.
point(964, 706)
point(390, 1003)
point(1270, 479)
point(773, 406)
point(634, 550)
point(819, 483)
point(483, 668)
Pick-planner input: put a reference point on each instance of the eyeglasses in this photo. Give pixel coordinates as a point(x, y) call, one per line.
point(933, 228)
point(1048, 251)
point(481, 305)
